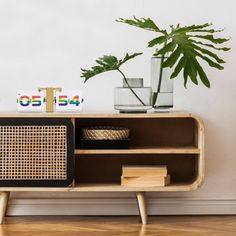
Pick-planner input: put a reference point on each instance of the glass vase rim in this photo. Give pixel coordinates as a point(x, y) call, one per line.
point(145, 87)
point(134, 78)
point(159, 57)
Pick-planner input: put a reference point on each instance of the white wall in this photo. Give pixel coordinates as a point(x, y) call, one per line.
point(46, 42)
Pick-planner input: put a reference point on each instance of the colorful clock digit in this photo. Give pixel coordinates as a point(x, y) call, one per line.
point(24, 100)
point(30, 101)
point(36, 100)
point(75, 101)
point(68, 100)
point(62, 100)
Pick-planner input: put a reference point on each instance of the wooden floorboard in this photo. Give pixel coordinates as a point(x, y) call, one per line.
point(118, 226)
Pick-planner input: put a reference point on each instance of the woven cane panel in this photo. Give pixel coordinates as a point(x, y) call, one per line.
point(33, 152)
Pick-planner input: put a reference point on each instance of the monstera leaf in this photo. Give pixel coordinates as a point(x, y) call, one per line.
point(186, 46)
point(106, 63)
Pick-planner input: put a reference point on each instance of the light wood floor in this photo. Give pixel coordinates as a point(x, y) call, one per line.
point(119, 226)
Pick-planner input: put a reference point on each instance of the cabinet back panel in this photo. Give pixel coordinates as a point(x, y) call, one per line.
point(108, 168)
point(163, 132)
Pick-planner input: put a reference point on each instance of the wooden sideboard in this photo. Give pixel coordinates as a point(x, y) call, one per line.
point(172, 139)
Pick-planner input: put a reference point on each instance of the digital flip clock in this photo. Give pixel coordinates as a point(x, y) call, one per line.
point(49, 99)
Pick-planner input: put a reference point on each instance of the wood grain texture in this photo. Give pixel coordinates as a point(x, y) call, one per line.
point(105, 114)
point(142, 150)
point(119, 226)
point(104, 187)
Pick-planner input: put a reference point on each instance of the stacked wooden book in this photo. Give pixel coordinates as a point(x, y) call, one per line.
point(145, 176)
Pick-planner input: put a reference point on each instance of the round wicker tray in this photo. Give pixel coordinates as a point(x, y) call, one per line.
point(105, 133)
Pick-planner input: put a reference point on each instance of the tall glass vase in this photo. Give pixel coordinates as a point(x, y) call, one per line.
point(163, 97)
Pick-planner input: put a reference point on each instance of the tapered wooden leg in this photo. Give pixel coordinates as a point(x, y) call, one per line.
point(142, 206)
point(4, 196)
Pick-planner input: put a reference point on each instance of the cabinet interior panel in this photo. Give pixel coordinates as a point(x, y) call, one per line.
point(162, 132)
point(108, 168)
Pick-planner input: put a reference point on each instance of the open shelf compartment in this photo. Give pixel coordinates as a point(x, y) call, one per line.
point(108, 167)
point(171, 141)
point(147, 132)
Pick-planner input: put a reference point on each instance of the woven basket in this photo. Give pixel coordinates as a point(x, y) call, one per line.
point(105, 133)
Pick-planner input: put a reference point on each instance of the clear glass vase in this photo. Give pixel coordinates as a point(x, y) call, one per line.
point(164, 99)
point(126, 101)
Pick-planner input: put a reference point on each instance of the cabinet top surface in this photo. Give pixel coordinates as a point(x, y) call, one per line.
point(105, 114)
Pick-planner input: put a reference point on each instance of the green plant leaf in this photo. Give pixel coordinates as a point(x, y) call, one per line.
point(186, 52)
point(156, 41)
point(210, 62)
point(171, 60)
point(201, 74)
point(212, 31)
point(210, 38)
point(193, 73)
point(191, 28)
point(179, 67)
point(210, 45)
point(106, 63)
point(167, 48)
point(211, 54)
point(144, 23)
point(185, 76)
point(190, 71)
point(128, 57)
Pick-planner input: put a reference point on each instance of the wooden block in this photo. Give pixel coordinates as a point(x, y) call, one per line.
point(147, 181)
point(138, 171)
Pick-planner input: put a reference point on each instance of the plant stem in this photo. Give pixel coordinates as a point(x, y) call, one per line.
point(155, 94)
point(131, 87)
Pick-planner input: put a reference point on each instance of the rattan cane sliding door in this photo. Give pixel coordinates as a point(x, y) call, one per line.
point(36, 152)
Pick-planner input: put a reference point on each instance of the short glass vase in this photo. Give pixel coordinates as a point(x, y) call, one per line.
point(127, 102)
